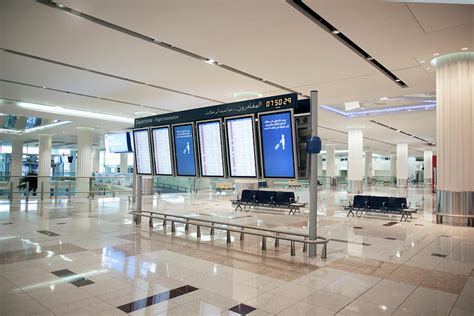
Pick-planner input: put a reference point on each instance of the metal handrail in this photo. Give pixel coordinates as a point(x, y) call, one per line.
point(187, 220)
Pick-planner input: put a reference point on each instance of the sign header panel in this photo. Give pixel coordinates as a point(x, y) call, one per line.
point(285, 101)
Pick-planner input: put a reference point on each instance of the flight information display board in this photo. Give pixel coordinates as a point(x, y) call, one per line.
point(184, 154)
point(277, 144)
point(241, 146)
point(162, 151)
point(210, 148)
point(142, 151)
point(118, 143)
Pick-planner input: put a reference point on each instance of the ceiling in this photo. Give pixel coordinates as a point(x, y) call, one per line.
point(110, 67)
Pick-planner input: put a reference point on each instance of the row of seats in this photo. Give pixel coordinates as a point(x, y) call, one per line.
point(384, 204)
point(265, 198)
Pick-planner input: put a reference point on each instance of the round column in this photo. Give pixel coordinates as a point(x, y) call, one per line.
point(368, 166)
point(428, 166)
point(96, 160)
point(84, 160)
point(393, 166)
point(16, 162)
point(355, 162)
point(331, 163)
point(455, 133)
point(44, 162)
point(402, 165)
point(124, 163)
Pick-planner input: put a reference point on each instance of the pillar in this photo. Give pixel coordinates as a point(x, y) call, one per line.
point(73, 165)
point(393, 166)
point(124, 163)
point(84, 161)
point(428, 166)
point(355, 162)
point(320, 165)
point(402, 165)
point(16, 162)
point(368, 165)
point(455, 133)
point(96, 160)
point(331, 163)
point(44, 163)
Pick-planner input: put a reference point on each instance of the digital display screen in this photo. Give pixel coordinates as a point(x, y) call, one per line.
point(118, 143)
point(10, 121)
point(162, 151)
point(142, 151)
point(32, 122)
point(210, 149)
point(241, 147)
point(276, 139)
point(184, 150)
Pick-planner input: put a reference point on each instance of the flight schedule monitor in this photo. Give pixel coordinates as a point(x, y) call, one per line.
point(162, 151)
point(241, 146)
point(118, 143)
point(142, 151)
point(210, 148)
point(184, 150)
point(276, 144)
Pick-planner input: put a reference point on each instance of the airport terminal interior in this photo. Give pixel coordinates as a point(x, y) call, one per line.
point(203, 157)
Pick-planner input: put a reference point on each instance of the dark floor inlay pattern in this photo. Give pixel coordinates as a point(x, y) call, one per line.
point(47, 233)
point(439, 255)
point(446, 236)
point(72, 277)
point(62, 223)
point(419, 225)
point(390, 224)
point(7, 223)
point(357, 227)
point(157, 298)
point(242, 309)
point(391, 238)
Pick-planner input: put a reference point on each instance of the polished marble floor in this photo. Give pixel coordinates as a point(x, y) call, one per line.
point(81, 257)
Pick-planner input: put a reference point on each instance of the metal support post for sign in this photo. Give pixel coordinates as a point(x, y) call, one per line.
point(91, 192)
point(313, 191)
point(56, 191)
point(27, 194)
point(11, 192)
point(138, 218)
point(42, 191)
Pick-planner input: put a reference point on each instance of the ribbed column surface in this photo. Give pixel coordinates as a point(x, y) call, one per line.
point(84, 159)
point(44, 162)
point(455, 122)
point(402, 161)
point(368, 164)
point(428, 165)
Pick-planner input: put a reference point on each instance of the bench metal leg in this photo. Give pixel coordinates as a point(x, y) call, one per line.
point(173, 228)
point(150, 222)
point(264, 243)
point(350, 212)
point(237, 207)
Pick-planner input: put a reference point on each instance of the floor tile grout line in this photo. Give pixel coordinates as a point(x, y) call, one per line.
point(457, 298)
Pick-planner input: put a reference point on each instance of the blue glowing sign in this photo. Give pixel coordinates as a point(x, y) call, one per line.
point(184, 150)
point(276, 143)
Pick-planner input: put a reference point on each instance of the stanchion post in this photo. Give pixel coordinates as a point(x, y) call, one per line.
point(91, 192)
point(138, 218)
point(56, 191)
point(11, 191)
point(27, 194)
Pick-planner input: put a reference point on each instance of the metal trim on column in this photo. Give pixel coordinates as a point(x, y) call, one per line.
point(313, 193)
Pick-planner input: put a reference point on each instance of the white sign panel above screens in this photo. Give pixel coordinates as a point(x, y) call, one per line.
point(162, 151)
point(142, 152)
point(210, 148)
point(277, 144)
point(118, 142)
point(241, 146)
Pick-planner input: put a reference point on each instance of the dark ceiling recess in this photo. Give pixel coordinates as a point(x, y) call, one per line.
point(118, 28)
point(402, 132)
point(328, 27)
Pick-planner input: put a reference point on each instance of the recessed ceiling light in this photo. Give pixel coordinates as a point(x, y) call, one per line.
point(397, 80)
point(210, 61)
point(44, 87)
point(335, 32)
point(465, 48)
point(436, 54)
point(60, 5)
point(370, 58)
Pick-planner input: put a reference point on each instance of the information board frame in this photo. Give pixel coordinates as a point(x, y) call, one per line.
point(152, 135)
point(196, 167)
point(150, 151)
point(293, 144)
point(128, 139)
point(221, 132)
point(254, 136)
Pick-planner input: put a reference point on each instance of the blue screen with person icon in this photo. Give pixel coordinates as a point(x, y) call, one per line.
point(184, 150)
point(276, 138)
